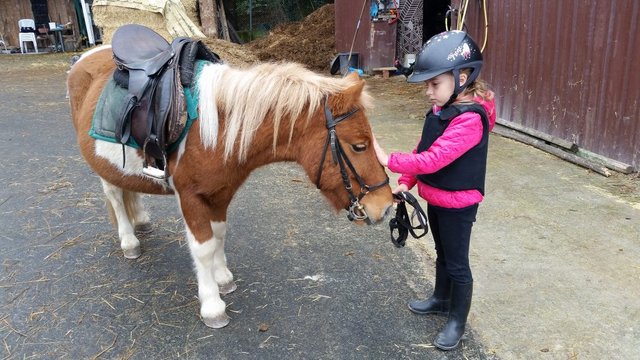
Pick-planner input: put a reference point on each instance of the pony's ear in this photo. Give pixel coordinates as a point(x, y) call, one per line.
point(353, 76)
point(344, 102)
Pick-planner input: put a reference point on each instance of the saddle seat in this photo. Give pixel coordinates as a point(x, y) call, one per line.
point(140, 48)
point(154, 73)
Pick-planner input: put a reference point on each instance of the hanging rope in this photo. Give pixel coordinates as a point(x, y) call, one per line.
point(461, 16)
point(364, 3)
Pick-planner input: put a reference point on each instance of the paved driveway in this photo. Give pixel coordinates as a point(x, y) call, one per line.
point(321, 287)
point(554, 252)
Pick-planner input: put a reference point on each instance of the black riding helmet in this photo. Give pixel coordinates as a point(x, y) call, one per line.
point(448, 51)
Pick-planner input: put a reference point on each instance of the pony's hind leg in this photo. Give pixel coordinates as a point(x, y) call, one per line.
point(135, 209)
point(117, 203)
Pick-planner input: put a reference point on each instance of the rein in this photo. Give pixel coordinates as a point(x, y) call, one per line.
point(402, 221)
point(355, 210)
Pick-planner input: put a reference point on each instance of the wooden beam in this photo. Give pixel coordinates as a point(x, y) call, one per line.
point(524, 138)
point(610, 163)
point(223, 20)
point(573, 147)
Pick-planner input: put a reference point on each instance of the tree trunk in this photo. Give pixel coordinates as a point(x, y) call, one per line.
point(208, 17)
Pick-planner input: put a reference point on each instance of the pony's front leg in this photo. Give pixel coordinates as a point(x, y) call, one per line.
point(117, 203)
point(221, 273)
point(204, 254)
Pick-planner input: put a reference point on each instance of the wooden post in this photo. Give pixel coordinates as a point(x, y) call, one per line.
point(223, 20)
point(208, 17)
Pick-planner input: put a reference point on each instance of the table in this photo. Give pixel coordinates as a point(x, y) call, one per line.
point(57, 37)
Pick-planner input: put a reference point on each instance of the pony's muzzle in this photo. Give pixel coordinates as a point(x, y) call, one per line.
point(360, 214)
point(387, 211)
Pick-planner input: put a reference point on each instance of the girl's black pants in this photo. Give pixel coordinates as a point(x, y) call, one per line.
point(451, 231)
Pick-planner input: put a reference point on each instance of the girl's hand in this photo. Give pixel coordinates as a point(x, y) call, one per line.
point(382, 156)
point(399, 189)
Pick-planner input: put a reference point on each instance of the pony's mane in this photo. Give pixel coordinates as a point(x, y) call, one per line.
point(245, 97)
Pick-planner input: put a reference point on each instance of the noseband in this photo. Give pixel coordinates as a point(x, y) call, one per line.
point(355, 210)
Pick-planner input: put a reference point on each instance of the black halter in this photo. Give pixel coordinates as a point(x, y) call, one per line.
point(355, 210)
point(402, 221)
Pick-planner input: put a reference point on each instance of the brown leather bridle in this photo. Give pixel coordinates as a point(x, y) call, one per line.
point(355, 210)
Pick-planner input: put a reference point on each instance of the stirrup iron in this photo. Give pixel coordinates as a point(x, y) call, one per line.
point(154, 172)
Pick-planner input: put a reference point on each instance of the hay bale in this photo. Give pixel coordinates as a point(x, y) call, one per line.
point(192, 10)
point(110, 18)
point(176, 18)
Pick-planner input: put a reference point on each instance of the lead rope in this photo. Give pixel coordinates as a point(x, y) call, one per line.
point(402, 221)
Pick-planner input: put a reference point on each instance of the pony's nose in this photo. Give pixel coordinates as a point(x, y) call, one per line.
point(387, 211)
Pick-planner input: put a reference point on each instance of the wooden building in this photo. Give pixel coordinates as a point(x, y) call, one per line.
point(566, 69)
point(43, 12)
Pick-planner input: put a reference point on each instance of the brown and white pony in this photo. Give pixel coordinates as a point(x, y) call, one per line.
point(247, 118)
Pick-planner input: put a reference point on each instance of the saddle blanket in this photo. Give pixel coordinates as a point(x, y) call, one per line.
point(110, 105)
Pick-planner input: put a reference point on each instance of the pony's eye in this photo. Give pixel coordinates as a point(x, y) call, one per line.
point(359, 147)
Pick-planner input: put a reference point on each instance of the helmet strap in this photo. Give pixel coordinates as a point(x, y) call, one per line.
point(457, 89)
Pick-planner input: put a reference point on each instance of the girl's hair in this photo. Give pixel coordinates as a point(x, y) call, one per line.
point(478, 88)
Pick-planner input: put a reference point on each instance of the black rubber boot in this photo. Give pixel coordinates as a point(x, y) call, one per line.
point(449, 337)
point(438, 303)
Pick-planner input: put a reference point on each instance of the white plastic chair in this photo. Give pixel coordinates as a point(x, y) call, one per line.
point(27, 36)
point(4, 44)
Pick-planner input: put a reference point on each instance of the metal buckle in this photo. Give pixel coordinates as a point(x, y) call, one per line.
point(356, 212)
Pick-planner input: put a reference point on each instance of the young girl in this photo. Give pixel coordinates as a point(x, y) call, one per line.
point(449, 165)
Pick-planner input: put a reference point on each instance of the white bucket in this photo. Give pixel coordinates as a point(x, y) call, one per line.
point(408, 60)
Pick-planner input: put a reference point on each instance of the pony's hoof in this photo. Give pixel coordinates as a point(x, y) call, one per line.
point(132, 253)
point(217, 322)
point(143, 228)
point(227, 288)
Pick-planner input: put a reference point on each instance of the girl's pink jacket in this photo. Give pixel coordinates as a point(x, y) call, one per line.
point(464, 132)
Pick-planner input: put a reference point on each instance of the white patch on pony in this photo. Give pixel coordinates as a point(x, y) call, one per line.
point(93, 51)
point(113, 153)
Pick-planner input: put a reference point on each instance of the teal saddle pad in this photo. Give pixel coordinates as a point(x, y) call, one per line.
point(111, 102)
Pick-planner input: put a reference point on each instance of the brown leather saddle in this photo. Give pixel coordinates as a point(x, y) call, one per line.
point(154, 72)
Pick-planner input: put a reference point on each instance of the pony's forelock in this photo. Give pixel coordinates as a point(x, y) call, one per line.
point(246, 97)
